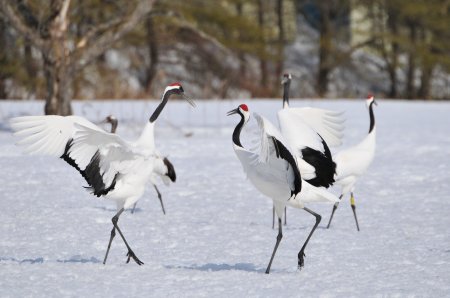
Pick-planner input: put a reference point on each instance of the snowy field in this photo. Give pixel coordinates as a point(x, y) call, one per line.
point(216, 238)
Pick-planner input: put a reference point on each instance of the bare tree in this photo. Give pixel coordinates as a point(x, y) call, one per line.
point(65, 55)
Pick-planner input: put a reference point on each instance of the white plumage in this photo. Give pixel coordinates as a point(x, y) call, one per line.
point(272, 169)
point(115, 169)
point(162, 167)
point(309, 132)
point(353, 162)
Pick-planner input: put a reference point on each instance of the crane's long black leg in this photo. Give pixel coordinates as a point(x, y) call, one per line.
point(332, 212)
point(130, 254)
point(160, 199)
point(113, 234)
point(280, 235)
point(273, 217)
point(301, 253)
point(285, 216)
point(352, 203)
point(134, 207)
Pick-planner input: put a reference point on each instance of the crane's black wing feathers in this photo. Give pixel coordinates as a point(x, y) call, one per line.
point(323, 164)
point(92, 173)
point(283, 152)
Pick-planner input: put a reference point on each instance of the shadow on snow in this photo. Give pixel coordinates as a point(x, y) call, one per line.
point(220, 267)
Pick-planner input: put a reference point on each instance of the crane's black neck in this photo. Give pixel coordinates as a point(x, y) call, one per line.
point(114, 126)
point(372, 117)
point(160, 107)
point(286, 87)
point(237, 131)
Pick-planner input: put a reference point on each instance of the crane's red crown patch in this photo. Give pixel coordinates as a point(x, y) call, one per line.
point(244, 107)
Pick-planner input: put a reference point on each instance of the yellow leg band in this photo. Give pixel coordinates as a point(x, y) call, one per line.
point(352, 201)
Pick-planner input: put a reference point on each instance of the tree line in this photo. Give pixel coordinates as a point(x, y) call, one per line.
point(63, 49)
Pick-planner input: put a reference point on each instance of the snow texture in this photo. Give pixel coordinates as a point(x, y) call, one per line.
point(216, 238)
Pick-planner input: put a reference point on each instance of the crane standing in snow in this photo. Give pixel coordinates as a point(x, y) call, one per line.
point(168, 172)
point(272, 169)
point(113, 168)
point(309, 132)
point(353, 162)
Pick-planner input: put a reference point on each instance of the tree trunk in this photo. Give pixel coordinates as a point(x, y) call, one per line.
point(3, 60)
point(325, 45)
point(262, 60)
point(153, 54)
point(280, 58)
point(241, 55)
point(393, 63)
point(425, 82)
point(56, 68)
point(410, 88)
point(58, 95)
point(30, 67)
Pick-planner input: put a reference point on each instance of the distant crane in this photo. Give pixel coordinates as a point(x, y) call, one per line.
point(309, 132)
point(113, 168)
point(272, 169)
point(166, 173)
point(353, 162)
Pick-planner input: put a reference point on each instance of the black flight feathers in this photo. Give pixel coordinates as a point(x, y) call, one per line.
point(92, 173)
point(323, 164)
point(282, 152)
point(170, 170)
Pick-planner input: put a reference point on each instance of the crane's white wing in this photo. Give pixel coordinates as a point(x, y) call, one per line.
point(47, 135)
point(275, 150)
point(99, 156)
point(114, 155)
point(294, 123)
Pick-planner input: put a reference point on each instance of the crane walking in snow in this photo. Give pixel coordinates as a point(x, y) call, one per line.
point(167, 173)
point(115, 169)
point(353, 162)
point(309, 132)
point(272, 169)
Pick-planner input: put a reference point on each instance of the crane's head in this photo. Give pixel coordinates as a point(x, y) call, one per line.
point(241, 110)
point(287, 77)
point(176, 88)
point(113, 121)
point(370, 99)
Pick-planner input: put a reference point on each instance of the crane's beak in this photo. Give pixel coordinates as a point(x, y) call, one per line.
point(232, 112)
point(190, 101)
point(375, 102)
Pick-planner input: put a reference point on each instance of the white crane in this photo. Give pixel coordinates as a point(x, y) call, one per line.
point(166, 172)
point(272, 169)
point(309, 132)
point(353, 162)
point(114, 169)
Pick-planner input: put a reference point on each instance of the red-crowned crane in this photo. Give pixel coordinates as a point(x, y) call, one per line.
point(114, 169)
point(353, 162)
point(309, 132)
point(272, 169)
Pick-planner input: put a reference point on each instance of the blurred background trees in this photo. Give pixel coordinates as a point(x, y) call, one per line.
point(62, 49)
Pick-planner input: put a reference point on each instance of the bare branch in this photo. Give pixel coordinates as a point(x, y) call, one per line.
point(89, 48)
point(19, 24)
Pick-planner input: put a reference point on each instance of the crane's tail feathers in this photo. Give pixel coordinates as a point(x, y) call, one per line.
point(307, 171)
point(310, 194)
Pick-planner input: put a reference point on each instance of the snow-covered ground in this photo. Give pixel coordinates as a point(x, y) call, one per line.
point(216, 238)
